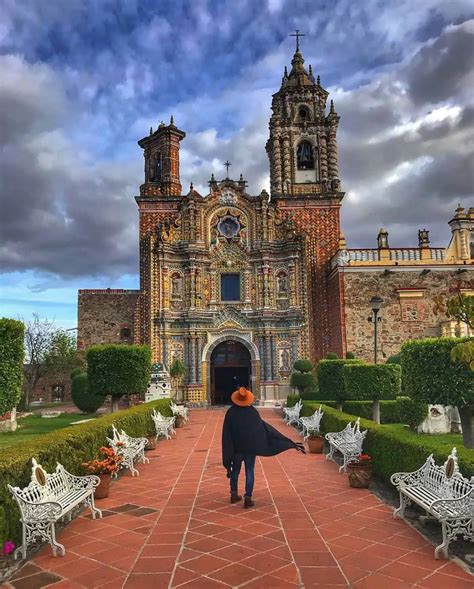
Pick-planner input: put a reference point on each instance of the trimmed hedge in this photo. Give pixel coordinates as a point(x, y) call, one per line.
point(331, 379)
point(390, 411)
point(71, 446)
point(118, 369)
point(291, 400)
point(393, 448)
point(371, 381)
point(429, 374)
point(12, 333)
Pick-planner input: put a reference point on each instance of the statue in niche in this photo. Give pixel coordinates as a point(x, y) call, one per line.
point(285, 360)
point(176, 285)
point(305, 156)
point(282, 284)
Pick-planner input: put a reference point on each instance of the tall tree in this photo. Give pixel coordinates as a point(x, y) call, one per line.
point(177, 372)
point(38, 334)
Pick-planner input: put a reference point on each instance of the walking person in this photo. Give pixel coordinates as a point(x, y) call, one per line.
point(244, 437)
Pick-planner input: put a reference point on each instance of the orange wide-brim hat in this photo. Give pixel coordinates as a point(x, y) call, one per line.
point(242, 397)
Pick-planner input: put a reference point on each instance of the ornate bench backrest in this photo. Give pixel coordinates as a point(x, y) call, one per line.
point(446, 481)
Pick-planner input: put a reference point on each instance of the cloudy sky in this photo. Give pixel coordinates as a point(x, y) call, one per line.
point(83, 80)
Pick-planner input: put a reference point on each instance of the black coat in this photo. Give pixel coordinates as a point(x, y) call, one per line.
point(245, 432)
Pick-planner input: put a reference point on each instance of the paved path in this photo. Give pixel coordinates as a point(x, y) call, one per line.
point(173, 527)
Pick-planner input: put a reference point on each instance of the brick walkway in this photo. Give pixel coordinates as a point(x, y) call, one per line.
point(173, 527)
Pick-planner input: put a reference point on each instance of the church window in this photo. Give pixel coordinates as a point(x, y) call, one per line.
point(157, 167)
point(305, 156)
point(304, 113)
point(125, 333)
point(230, 287)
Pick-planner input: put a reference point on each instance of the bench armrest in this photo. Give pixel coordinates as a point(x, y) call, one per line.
point(408, 478)
point(462, 506)
point(36, 511)
point(88, 481)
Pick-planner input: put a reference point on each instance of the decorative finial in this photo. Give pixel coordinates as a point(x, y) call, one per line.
point(151, 130)
point(332, 107)
point(286, 72)
point(297, 34)
point(212, 177)
point(227, 164)
point(241, 178)
point(171, 120)
point(191, 187)
point(310, 70)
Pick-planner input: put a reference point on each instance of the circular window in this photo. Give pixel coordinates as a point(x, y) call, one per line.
point(303, 112)
point(228, 227)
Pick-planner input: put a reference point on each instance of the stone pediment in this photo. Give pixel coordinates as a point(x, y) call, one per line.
point(231, 318)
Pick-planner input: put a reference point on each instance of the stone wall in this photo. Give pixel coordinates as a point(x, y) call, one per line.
point(106, 316)
point(408, 310)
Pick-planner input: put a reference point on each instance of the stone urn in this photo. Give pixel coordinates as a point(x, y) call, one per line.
point(315, 444)
point(102, 490)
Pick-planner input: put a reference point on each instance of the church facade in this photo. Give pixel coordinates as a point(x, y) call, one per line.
point(239, 286)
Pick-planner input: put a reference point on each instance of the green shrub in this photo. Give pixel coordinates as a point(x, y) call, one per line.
point(71, 446)
point(430, 376)
point(412, 412)
point(395, 359)
point(303, 365)
point(389, 410)
point(291, 400)
point(372, 381)
point(393, 448)
point(76, 371)
point(332, 356)
point(82, 397)
point(118, 369)
point(331, 379)
point(350, 356)
point(310, 394)
point(12, 333)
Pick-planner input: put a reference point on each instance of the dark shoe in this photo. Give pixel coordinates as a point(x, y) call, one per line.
point(248, 502)
point(234, 498)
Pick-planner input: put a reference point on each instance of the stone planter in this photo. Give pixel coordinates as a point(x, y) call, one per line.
point(102, 491)
point(151, 445)
point(315, 444)
point(359, 475)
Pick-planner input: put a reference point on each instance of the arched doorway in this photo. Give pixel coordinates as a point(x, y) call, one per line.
point(230, 368)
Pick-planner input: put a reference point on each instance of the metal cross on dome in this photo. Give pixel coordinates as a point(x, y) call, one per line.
point(297, 34)
point(227, 164)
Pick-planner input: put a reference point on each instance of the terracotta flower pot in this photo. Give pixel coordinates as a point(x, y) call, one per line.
point(359, 475)
point(179, 421)
point(151, 445)
point(315, 444)
point(102, 490)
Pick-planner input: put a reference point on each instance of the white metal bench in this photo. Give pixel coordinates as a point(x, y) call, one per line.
point(130, 449)
point(180, 411)
point(443, 493)
point(164, 425)
point(49, 498)
point(348, 442)
point(292, 414)
point(311, 423)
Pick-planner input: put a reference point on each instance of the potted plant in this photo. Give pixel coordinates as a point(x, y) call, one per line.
point(151, 444)
point(360, 472)
point(104, 469)
point(315, 441)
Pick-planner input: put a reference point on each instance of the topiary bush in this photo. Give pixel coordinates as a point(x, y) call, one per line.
point(302, 377)
point(350, 356)
point(332, 356)
point(76, 371)
point(331, 379)
point(118, 369)
point(303, 365)
point(411, 412)
point(395, 359)
point(430, 376)
point(372, 381)
point(12, 354)
point(82, 397)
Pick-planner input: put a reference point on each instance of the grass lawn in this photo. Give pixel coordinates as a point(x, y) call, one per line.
point(439, 440)
point(35, 425)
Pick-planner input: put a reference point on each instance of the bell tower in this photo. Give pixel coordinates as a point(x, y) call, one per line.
point(305, 185)
point(302, 147)
point(161, 153)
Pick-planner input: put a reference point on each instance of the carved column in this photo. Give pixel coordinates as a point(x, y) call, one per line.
point(192, 359)
point(294, 349)
point(333, 164)
point(192, 286)
point(276, 162)
point(165, 352)
point(268, 358)
point(286, 163)
point(265, 285)
point(261, 350)
point(198, 358)
point(323, 157)
point(292, 284)
point(212, 289)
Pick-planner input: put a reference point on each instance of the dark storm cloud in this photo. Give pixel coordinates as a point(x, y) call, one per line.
point(95, 76)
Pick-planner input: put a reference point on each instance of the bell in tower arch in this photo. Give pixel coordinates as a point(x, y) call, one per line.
point(305, 156)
